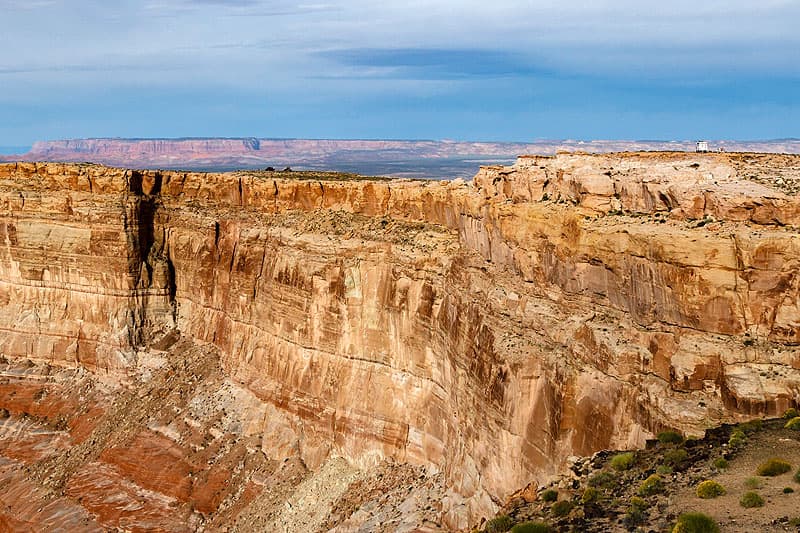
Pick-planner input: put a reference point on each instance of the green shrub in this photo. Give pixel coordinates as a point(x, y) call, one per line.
point(675, 457)
point(752, 483)
point(532, 527)
point(664, 470)
point(750, 500)
point(737, 438)
point(797, 476)
point(773, 467)
point(604, 480)
point(499, 524)
point(561, 508)
point(622, 461)
point(788, 490)
point(794, 522)
point(736, 441)
point(639, 502)
point(549, 495)
point(751, 427)
point(652, 485)
point(791, 413)
point(794, 424)
point(695, 523)
point(709, 489)
point(720, 463)
point(670, 437)
point(636, 513)
point(590, 495)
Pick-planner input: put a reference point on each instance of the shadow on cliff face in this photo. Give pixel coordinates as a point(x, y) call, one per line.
point(152, 271)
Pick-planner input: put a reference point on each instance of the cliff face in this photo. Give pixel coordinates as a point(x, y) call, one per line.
point(485, 331)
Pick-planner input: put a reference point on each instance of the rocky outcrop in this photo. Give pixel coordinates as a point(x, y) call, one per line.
point(485, 331)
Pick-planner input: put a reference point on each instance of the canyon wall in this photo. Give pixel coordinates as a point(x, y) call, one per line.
point(484, 330)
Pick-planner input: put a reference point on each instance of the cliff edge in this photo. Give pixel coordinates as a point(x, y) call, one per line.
point(242, 325)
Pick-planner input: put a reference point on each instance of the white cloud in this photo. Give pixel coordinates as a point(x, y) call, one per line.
point(277, 45)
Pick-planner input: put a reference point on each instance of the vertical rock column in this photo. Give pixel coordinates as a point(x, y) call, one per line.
point(152, 301)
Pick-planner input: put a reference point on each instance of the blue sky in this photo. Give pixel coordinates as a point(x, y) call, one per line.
point(498, 70)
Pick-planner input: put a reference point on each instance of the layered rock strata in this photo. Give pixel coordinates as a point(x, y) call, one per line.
point(485, 331)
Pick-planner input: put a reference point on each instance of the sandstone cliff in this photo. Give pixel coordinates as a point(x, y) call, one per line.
point(483, 331)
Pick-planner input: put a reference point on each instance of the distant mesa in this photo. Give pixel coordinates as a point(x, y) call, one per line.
point(402, 158)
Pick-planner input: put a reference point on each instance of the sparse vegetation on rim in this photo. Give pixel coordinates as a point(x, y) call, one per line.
point(753, 483)
point(676, 457)
point(720, 463)
point(549, 495)
point(793, 424)
point(750, 500)
point(791, 413)
point(654, 484)
point(670, 437)
point(773, 467)
point(499, 524)
point(562, 508)
point(623, 461)
point(712, 476)
point(709, 489)
point(695, 523)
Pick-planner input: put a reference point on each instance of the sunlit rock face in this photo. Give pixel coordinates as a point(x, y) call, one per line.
point(204, 343)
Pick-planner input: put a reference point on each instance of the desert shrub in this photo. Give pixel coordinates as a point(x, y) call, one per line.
point(590, 495)
point(622, 461)
point(675, 457)
point(695, 523)
point(791, 413)
point(794, 424)
point(670, 437)
point(636, 513)
point(664, 470)
point(532, 527)
point(788, 490)
point(604, 480)
point(652, 485)
point(561, 508)
point(797, 476)
point(794, 522)
point(549, 495)
point(739, 433)
point(750, 500)
point(709, 489)
point(751, 427)
point(499, 524)
point(752, 483)
point(773, 467)
point(737, 439)
point(639, 502)
point(720, 463)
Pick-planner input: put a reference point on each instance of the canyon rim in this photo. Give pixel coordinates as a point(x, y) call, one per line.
point(196, 351)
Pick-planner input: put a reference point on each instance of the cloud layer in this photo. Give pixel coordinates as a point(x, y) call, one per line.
point(512, 70)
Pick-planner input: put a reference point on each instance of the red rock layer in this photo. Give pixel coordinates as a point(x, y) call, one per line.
point(556, 307)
